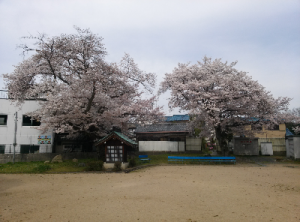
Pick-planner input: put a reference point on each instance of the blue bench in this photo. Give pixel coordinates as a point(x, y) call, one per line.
point(209, 159)
point(144, 158)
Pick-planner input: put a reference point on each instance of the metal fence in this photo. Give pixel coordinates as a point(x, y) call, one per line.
point(20, 149)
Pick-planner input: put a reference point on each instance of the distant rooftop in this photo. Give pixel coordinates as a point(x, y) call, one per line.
point(177, 118)
point(170, 127)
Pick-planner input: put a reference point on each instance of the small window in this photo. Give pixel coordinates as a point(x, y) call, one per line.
point(28, 121)
point(3, 120)
point(114, 154)
point(2, 149)
point(29, 148)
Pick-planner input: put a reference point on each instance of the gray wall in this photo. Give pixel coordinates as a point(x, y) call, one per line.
point(4, 158)
point(293, 147)
point(245, 146)
point(297, 147)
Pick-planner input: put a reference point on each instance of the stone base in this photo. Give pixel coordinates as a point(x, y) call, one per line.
point(124, 165)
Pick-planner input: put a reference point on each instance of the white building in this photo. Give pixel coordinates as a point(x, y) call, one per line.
point(28, 138)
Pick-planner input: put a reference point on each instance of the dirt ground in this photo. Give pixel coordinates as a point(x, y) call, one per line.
point(241, 192)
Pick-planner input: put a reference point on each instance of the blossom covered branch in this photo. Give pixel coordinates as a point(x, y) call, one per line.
point(83, 93)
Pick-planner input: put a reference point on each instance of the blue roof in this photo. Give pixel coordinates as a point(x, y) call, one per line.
point(177, 118)
point(288, 132)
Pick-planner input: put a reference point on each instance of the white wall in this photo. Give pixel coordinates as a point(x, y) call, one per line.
point(293, 147)
point(170, 146)
point(26, 135)
point(297, 147)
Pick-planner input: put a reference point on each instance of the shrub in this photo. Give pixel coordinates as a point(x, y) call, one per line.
point(95, 166)
point(117, 166)
point(41, 168)
point(132, 163)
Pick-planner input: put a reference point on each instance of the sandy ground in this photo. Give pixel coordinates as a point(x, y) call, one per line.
point(245, 192)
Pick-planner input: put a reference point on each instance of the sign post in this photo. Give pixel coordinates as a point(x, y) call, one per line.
point(15, 136)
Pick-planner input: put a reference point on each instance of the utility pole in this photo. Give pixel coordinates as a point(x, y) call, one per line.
point(15, 136)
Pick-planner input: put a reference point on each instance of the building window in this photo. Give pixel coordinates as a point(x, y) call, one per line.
point(28, 121)
point(29, 148)
point(2, 149)
point(114, 154)
point(3, 120)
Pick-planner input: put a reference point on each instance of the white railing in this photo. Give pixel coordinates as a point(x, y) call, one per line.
point(4, 95)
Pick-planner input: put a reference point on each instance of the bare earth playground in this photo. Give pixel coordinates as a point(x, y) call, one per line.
point(241, 192)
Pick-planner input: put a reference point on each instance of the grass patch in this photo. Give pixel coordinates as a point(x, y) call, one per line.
point(24, 167)
point(117, 166)
point(95, 166)
point(70, 166)
point(84, 164)
point(41, 167)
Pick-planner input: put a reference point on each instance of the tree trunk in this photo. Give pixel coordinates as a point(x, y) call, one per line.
point(221, 137)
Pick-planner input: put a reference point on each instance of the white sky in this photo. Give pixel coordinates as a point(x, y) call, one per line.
point(264, 36)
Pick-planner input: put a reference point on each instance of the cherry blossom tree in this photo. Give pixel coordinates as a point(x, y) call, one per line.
point(84, 94)
point(294, 125)
point(221, 100)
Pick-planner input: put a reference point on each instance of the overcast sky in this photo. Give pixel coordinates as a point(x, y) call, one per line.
point(263, 36)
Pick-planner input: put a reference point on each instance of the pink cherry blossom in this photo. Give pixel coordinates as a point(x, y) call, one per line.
point(83, 93)
point(223, 101)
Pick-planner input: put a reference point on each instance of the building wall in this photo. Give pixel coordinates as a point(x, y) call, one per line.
point(276, 137)
point(245, 146)
point(293, 147)
point(278, 144)
point(297, 147)
point(193, 144)
point(158, 146)
point(26, 135)
point(272, 133)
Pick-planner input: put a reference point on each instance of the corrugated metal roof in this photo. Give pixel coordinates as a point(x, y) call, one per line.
point(177, 118)
point(170, 127)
